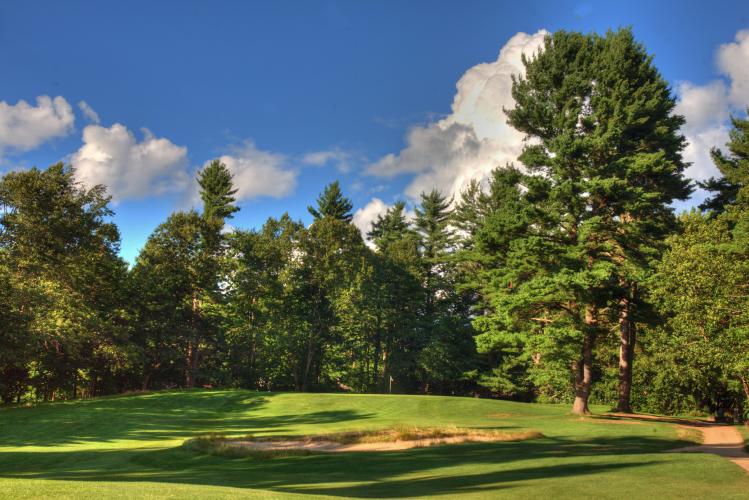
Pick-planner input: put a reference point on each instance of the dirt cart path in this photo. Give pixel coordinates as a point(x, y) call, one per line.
point(723, 440)
point(719, 439)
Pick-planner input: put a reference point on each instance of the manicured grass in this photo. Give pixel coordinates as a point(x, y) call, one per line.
point(131, 446)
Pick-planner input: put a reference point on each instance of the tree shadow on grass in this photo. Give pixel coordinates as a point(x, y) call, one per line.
point(635, 418)
point(452, 469)
point(161, 416)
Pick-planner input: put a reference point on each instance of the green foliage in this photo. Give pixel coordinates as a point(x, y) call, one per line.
point(63, 323)
point(263, 315)
point(448, 351)
point(559, 249)
point(332, 203)
point(703, 287)
point(389, 227)
point(167, 280)
point(217, 191)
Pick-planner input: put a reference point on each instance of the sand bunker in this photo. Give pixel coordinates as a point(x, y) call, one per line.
point(382, 440)
point(332, 446)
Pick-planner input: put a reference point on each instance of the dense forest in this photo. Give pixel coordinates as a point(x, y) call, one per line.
point(566, 277)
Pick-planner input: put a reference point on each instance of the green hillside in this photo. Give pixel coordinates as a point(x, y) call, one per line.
point(129, 446)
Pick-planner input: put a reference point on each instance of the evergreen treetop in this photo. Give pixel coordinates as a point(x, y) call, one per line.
point(217, 191)
point(734, 166)
point(390, 226)
point(332, 203)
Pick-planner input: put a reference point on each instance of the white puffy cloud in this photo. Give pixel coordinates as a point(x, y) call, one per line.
point(702, 105)
point(707, 107)
point(475, 137)
point(24, 126)
point(88, 112)
point(364, 216)
point(733, 61)
point(259, 173)
point(130, 168)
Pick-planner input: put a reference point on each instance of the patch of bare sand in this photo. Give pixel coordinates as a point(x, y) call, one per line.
point(333, 447)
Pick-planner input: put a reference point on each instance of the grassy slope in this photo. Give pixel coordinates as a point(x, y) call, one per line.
point(130, 446)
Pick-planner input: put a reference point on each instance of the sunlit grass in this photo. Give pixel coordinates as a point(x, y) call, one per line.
point(132, 446)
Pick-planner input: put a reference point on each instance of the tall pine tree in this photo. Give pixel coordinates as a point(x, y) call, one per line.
point(606, 155)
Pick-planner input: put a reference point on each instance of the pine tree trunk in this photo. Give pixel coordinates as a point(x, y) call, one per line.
point(308, 363)
point(192, 347)
point(192, 363)
point(627, 340)
point(376, 380)
point(584, 366)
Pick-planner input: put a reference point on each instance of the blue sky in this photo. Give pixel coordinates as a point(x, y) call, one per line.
point(295, 94)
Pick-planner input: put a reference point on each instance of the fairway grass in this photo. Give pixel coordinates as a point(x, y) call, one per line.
point(131, 446)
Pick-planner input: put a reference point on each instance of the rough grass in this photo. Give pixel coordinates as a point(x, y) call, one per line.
point(219, 445)
point(132, 447)
point(413, 433)
point(690, 435)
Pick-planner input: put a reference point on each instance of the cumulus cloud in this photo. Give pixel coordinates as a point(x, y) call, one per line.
point(707, 107)
point(475, 137)
point(88, 112)
point(130, 168)
point(733, 61)
point(24, 126)
point(259, 173)
point(364, 216)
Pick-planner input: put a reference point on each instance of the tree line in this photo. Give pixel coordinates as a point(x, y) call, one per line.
point(544, 282)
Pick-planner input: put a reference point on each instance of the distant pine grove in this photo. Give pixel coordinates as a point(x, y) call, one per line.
point(564, 278)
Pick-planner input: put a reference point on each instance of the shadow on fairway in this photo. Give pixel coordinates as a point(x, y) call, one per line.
point(377, 474)
point(181, 414)
point(695, 422)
